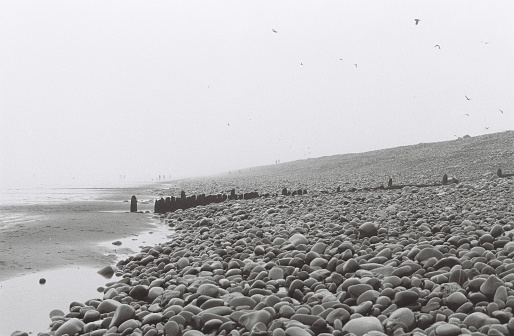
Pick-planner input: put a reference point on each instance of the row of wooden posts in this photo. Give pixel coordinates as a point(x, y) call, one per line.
point(170, 204)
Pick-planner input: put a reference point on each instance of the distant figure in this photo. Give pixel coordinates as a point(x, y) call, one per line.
point(390, 183)
point(417, 21)
point(438, 46)
point(274, 31)
point(133, 204)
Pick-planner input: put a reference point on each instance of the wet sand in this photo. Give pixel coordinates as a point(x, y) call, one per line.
point(49, 236)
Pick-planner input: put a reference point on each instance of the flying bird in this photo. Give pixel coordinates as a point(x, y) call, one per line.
point(438, 46)
point(301, 63)
point(467, 97)
point(274, 31)
point(487, 128)
point(355, 64)
point(466, 114)
point(417, 21)
point(501, 111)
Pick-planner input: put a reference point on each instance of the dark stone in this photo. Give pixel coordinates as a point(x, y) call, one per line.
point(284, 192)
point(445, 179)
point(133, 204)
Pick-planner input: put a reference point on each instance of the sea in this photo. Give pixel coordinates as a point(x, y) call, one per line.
point(25, 304)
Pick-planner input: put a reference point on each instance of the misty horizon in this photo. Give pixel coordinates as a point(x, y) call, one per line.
point(95, 91)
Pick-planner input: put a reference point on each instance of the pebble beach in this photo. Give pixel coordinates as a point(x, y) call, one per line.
point(434, 260)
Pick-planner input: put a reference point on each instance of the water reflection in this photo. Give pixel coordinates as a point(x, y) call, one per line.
point(25, 303)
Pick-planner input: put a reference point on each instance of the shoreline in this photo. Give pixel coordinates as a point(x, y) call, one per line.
point(50, 235)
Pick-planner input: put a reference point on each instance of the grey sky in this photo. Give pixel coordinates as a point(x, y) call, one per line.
point(102, 88)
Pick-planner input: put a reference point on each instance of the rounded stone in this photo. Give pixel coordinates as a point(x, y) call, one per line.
point(296, 331)
point(403, 317)
point(357, 290)
point(208, 290)
point(455, 300)
point(129, 324)
point(405, 298)
point(123, 313)
point(276, 273)
point(250, 319)
point(193, 333)
point(107, 306)
point(489, 287)
point(298, 239)
point(70, 327)
point(363, 325)
point(171, 328)
point(152, 318)
point(447, 329)
point(368, 229)
point(428, 252)
point(478, 319)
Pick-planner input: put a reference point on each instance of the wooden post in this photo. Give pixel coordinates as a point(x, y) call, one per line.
point(133, 204)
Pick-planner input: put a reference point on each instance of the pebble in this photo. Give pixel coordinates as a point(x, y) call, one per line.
point(123, 313)
point(320, 265)
point(70, 327)
point(363, 325)
point(447, 329)
point(405, 298)
point(401, 317)
point(298, 239)
point(478, 319)
point(368, 229)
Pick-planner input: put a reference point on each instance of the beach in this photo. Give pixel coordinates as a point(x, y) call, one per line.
point(64, 231)
point(431, 259)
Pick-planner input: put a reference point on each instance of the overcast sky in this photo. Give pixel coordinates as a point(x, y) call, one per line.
point(96, 89)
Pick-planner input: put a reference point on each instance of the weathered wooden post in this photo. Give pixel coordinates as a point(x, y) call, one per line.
point(499, 172)
point(445, 179)
point(133, 204)
point(390, 183)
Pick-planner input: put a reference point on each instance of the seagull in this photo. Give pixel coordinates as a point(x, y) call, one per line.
point(467, 97)
point(417, 21)
point(274, 31)
point(340, 59)
point(355, 64)
point(501, 111)
point(487, 128)
point(466, 114)
point(301, 63)
point(438, 46)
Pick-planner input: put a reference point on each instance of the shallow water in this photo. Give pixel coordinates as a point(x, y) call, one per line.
point(25, 304)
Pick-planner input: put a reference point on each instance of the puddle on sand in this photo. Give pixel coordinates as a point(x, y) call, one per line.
point(25, 304)
point(122, 248)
